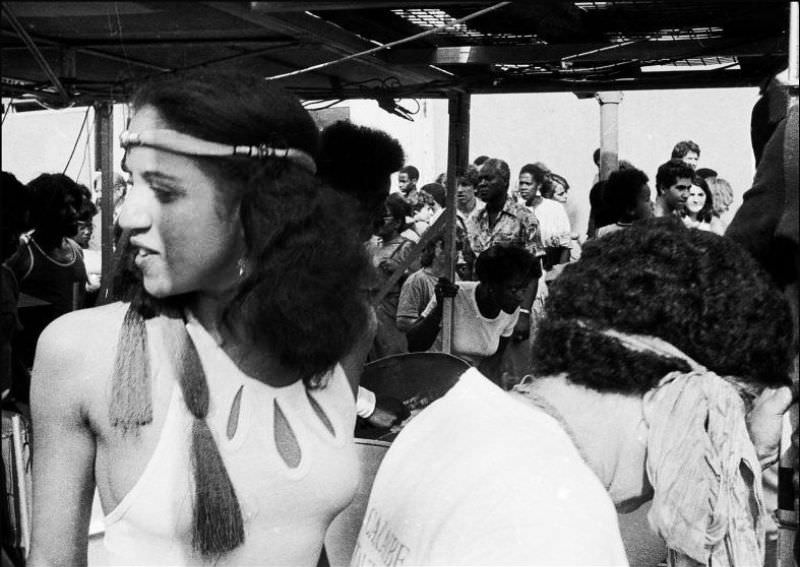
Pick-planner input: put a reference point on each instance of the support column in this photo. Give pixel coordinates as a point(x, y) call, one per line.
point(457, 160)
point(104, 161)
point(794, 46)
point(609, 132)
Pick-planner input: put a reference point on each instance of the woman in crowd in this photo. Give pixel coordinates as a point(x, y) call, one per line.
point(655, 347)
point(484, 312)
point(531, 178)
point(390, 249)
point(48, 264)
point(722, 198)
point(553, 220)
point(699, 210)
point(215, 413)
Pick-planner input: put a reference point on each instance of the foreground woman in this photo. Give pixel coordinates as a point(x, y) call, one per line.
point(209, 409)
point(654, 347)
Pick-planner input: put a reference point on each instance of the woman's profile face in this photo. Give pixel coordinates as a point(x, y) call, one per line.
point(184, 237)
point(696, 200)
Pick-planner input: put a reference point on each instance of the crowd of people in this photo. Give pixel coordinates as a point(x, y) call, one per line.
point(211, 400)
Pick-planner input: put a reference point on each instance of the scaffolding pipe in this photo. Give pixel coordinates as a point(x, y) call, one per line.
point(457, 160)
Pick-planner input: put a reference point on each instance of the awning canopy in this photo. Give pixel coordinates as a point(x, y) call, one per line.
point(80, 52)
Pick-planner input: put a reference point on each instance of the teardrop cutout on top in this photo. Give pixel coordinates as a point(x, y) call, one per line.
point(233, 417)
point(321, 414)
point(285, 439)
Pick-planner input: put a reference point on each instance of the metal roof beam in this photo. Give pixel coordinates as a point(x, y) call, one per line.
point(296, 6)
point(600, 52)
point(311, 29)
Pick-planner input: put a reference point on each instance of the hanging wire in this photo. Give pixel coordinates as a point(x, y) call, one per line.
point(85, 154)
point(8, 109)
point(78, 139)
point(390, 44)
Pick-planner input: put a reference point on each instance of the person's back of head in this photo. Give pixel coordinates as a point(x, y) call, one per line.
point(698, 291)
point(721, 193)
point(479, 161)
point(499, 263)
point(358, 161)
point(398, 208)
point(706, 173)
point(684, 147)
point(669, 172)
point(551, 183)
point(437, 192)
point(14, 213)
point(623, 193)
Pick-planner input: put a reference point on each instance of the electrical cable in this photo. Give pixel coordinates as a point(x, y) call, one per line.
point(8, 109)
point(390, 44)
point(78, 139)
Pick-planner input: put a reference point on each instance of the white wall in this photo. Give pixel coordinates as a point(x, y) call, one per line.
point(555, 128)
point(562, 131)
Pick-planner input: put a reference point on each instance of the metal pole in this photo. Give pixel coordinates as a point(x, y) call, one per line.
point(794, 46)
point(22, 482)
point(609, 132)
point(457, 159)
point(104, 160)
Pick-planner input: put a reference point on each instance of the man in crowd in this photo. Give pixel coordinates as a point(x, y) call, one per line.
point(673, 181)
point(407, 179)
point(506, 222)
point(688, 151)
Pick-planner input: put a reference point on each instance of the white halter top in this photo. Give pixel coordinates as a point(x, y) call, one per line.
point(286, 509)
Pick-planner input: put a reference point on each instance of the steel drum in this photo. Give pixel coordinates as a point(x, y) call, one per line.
point(415, 379)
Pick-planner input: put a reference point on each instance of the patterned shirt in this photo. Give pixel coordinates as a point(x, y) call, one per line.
point(516, 225)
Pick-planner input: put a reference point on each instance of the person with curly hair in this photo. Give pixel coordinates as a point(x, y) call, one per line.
point(626, 198)
point(215, 414)
point(658, 348)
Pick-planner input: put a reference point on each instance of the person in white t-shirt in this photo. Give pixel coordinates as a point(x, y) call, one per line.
point(484, 312)
point(628, 402)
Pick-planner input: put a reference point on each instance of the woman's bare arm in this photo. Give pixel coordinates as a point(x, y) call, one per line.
point(63, 447)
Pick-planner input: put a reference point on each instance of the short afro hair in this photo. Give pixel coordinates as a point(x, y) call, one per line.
point(358, 161)
point(411, 171)
point(621, 192)
point(701, 292)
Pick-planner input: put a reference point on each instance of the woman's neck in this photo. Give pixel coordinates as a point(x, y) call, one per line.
point(258, 363)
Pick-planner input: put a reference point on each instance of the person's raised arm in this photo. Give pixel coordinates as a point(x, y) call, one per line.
point(63, 451)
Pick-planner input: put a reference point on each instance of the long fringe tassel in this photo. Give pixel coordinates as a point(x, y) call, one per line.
point(131, 400)
point(218, 524)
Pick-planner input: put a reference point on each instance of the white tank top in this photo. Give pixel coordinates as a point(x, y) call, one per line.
point(286, 510)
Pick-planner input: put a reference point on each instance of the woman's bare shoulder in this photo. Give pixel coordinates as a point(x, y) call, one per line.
point(78, 348)
point(95, 326)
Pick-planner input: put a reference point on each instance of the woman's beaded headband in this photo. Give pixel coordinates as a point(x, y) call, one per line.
point(177, 142)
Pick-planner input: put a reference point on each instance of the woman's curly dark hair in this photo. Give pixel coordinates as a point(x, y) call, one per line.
point(698, 291)
point(299, 298)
